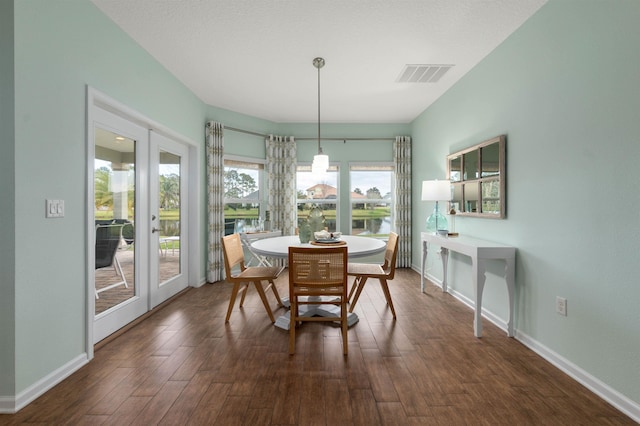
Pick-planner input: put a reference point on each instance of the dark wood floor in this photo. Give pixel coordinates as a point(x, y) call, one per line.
point(184, 365)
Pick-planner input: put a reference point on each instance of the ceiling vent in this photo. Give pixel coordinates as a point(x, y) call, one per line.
point(416, 73)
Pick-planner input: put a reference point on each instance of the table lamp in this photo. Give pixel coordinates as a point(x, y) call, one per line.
point(436, 190)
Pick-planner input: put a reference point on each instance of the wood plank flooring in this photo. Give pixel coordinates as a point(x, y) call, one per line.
point(185, 366)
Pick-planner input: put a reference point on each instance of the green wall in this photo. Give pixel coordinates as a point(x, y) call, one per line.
point(7, 199)
point(60, 48)
point(565, 90)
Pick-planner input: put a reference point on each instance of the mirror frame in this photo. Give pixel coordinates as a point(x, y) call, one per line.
point(471, 183)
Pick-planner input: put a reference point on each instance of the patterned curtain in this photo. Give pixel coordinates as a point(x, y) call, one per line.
point(281, 172)
point(215, 200)
point(402, 212)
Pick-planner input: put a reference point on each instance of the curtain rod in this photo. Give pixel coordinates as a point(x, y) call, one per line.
point(234, 129)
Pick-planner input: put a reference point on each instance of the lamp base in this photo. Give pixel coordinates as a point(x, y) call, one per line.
point(436, 221)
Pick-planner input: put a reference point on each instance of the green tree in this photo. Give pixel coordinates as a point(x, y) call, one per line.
point(238, 185)
point(373, 194)
point(169, 191)
point(103, 197)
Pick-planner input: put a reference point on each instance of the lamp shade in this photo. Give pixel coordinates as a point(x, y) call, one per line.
point(320, 163)
point(436, 190)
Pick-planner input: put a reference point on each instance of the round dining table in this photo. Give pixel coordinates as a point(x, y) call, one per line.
point(278, 247)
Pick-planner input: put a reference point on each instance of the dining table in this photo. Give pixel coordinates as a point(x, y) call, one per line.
point(357, 247)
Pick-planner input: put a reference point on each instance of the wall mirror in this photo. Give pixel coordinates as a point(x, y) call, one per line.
point(478, 179)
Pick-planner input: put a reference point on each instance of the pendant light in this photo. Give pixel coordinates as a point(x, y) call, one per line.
point(320, 161)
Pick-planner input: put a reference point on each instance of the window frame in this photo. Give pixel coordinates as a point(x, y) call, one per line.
point(383, 166)
point(333, 168)
point(261, 166)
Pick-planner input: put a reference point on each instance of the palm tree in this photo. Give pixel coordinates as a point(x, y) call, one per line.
point(103, 197)
point(169, 191)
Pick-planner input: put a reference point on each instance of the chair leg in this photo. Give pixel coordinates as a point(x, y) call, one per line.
point(272, 286)
point(343, 315)
point(357, 296)
point(119, 271)
point(356, 283)
point(263, 297)
point(232, 300)
point(244, 290)
point(293, 314)
point(387, 295)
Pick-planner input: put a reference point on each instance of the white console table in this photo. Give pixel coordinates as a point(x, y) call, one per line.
point(479, 251)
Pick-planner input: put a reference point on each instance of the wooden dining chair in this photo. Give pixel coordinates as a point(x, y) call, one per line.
point(320, 274)
point(242, 276)
point(385, 272)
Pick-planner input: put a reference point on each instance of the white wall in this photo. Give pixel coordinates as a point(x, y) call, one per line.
point(565, 90)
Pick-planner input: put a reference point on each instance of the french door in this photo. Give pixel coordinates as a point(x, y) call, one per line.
point(138, 256)
point(169, 203)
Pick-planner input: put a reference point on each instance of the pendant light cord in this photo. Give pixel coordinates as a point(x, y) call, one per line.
point(318, 63)
point(319, 147)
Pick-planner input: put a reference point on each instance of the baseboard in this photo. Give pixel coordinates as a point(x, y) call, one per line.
point(604, 391)
point(10, 405)
point(619, 401)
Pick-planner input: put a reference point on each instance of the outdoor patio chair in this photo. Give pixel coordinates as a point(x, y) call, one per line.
point(108, 239)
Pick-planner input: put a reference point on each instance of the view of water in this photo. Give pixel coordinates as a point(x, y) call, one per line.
point(169, 228)
point(359, 227)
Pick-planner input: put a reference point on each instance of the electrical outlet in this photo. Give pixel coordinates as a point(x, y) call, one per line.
point(561, 305)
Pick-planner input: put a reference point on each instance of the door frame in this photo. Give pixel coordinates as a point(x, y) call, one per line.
point(96, 99)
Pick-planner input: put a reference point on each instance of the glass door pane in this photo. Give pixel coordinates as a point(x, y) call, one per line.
point(169, 201)
point(169, 198)
point(114, 201)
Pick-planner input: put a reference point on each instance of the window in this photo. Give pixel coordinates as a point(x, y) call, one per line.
point(321, 189)
point(372, 197)
point(244, 203)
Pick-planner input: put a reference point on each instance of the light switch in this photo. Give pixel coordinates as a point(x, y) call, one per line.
point(54, 208)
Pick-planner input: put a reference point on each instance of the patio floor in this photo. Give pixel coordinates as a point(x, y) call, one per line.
point(169, 267)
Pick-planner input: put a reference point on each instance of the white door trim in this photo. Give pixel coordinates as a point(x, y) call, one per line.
point(97, 99)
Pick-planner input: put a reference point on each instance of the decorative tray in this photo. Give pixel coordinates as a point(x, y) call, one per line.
point(331, 241)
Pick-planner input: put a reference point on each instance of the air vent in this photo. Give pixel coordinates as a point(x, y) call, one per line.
point(415, 73)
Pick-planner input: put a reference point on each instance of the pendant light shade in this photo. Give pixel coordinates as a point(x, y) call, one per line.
point(320, 161)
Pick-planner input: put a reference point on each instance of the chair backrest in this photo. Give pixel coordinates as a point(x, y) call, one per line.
point(107, 241)
point(233, 253)
point(390, 255)
point(128, 232)
point(318, 271)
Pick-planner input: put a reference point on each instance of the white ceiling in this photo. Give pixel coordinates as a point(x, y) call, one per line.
point(255, 56)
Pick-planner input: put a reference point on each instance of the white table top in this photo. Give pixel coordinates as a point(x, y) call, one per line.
point(470, 246)
point(279, 246)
